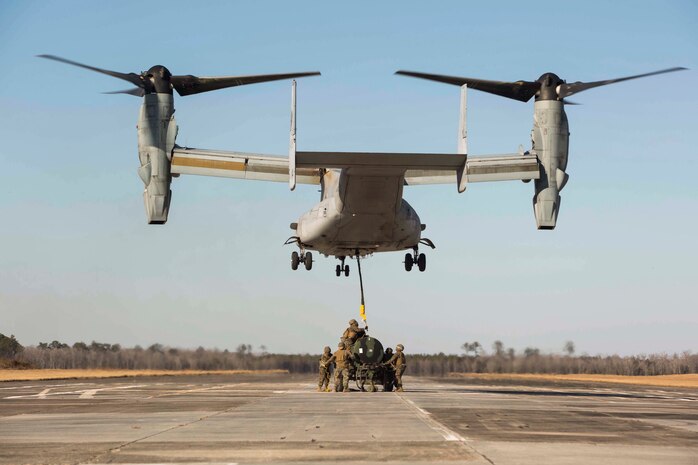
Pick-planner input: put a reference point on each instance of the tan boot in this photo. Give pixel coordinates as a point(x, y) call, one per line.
point(319, 389)
point(400, 389)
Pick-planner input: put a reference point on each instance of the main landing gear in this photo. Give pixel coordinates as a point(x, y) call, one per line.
point(416, 258)
point(342, 268)
point(304, 258)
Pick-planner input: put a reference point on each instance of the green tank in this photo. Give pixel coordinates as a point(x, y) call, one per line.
point(368, 370)
point(368, 350)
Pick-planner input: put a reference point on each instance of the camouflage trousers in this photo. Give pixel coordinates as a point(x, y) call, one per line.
point(323, 381)
point(398, 375)
point(341, 377)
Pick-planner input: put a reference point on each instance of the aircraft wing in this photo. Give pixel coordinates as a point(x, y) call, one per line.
point(481, 169)
point(429, 168)
point(238, 165)
point(419, 168)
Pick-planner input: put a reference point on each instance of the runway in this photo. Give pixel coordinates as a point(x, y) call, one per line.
point(281, 419)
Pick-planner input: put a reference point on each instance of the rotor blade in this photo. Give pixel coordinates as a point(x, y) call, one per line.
point(137, 91)
point(133, 78)
point(188, 85)
point(570, 89)
point(519, 90)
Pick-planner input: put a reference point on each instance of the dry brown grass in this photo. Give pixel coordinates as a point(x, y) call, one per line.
point(37, 375)
point(685, 381)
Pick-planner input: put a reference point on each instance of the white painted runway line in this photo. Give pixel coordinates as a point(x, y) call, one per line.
point(83, 394)
point(90, 393)
point(217, 388)
point(447, 433)
point(43, 385)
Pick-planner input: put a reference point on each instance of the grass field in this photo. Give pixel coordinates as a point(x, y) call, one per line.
point(685, 381)
point(38, 375)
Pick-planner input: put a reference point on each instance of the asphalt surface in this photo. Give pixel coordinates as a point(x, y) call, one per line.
point(281, 419)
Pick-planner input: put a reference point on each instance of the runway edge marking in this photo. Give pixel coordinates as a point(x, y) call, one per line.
point(447, 433)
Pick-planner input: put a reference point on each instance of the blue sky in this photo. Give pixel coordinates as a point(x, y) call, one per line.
point(78, 261)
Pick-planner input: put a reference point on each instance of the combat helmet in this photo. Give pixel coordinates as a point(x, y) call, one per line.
point(389, 350)
point(399, 347)
point(327, 349)
point(353, 322)
point(341, 345)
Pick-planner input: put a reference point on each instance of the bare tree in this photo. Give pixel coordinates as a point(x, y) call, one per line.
point(473, 349)
point(498, 348)
point(531, 352)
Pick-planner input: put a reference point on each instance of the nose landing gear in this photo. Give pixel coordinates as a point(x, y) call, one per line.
point(304, 258)
point(416, 258)
point(342, 268)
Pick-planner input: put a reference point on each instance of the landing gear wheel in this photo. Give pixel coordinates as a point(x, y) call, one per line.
point(308, 261)
point(422, 262)
point(295, 260)
point(409, 262)
point(338, 271)
point(346, 271)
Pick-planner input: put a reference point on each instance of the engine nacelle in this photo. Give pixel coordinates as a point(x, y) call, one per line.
point(550, 138)
point(157, 131)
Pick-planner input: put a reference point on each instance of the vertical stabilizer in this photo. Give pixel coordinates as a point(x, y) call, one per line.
point(462, 173)
point(292, 143)
point(462, 122)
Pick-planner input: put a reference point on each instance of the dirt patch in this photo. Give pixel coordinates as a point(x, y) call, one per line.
point(684, 381)
point(39, 375)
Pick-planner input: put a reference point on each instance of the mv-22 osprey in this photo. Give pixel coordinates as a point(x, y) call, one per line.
point(361, 209)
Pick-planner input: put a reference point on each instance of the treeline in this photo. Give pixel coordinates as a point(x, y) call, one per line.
point(474, 359)
point(158, 357)
point(635, 365)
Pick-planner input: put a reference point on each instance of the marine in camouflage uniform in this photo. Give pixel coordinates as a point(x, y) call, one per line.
point(349, 346)
point(388, 354)
point(323, 383)
point(388, 372)
point(397, 361)
point(352, 333)
point(342, 357)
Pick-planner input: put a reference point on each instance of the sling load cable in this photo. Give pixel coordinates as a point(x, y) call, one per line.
point(362, 308)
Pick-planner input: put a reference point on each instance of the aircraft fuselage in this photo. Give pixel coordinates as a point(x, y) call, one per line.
point(360, 210)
